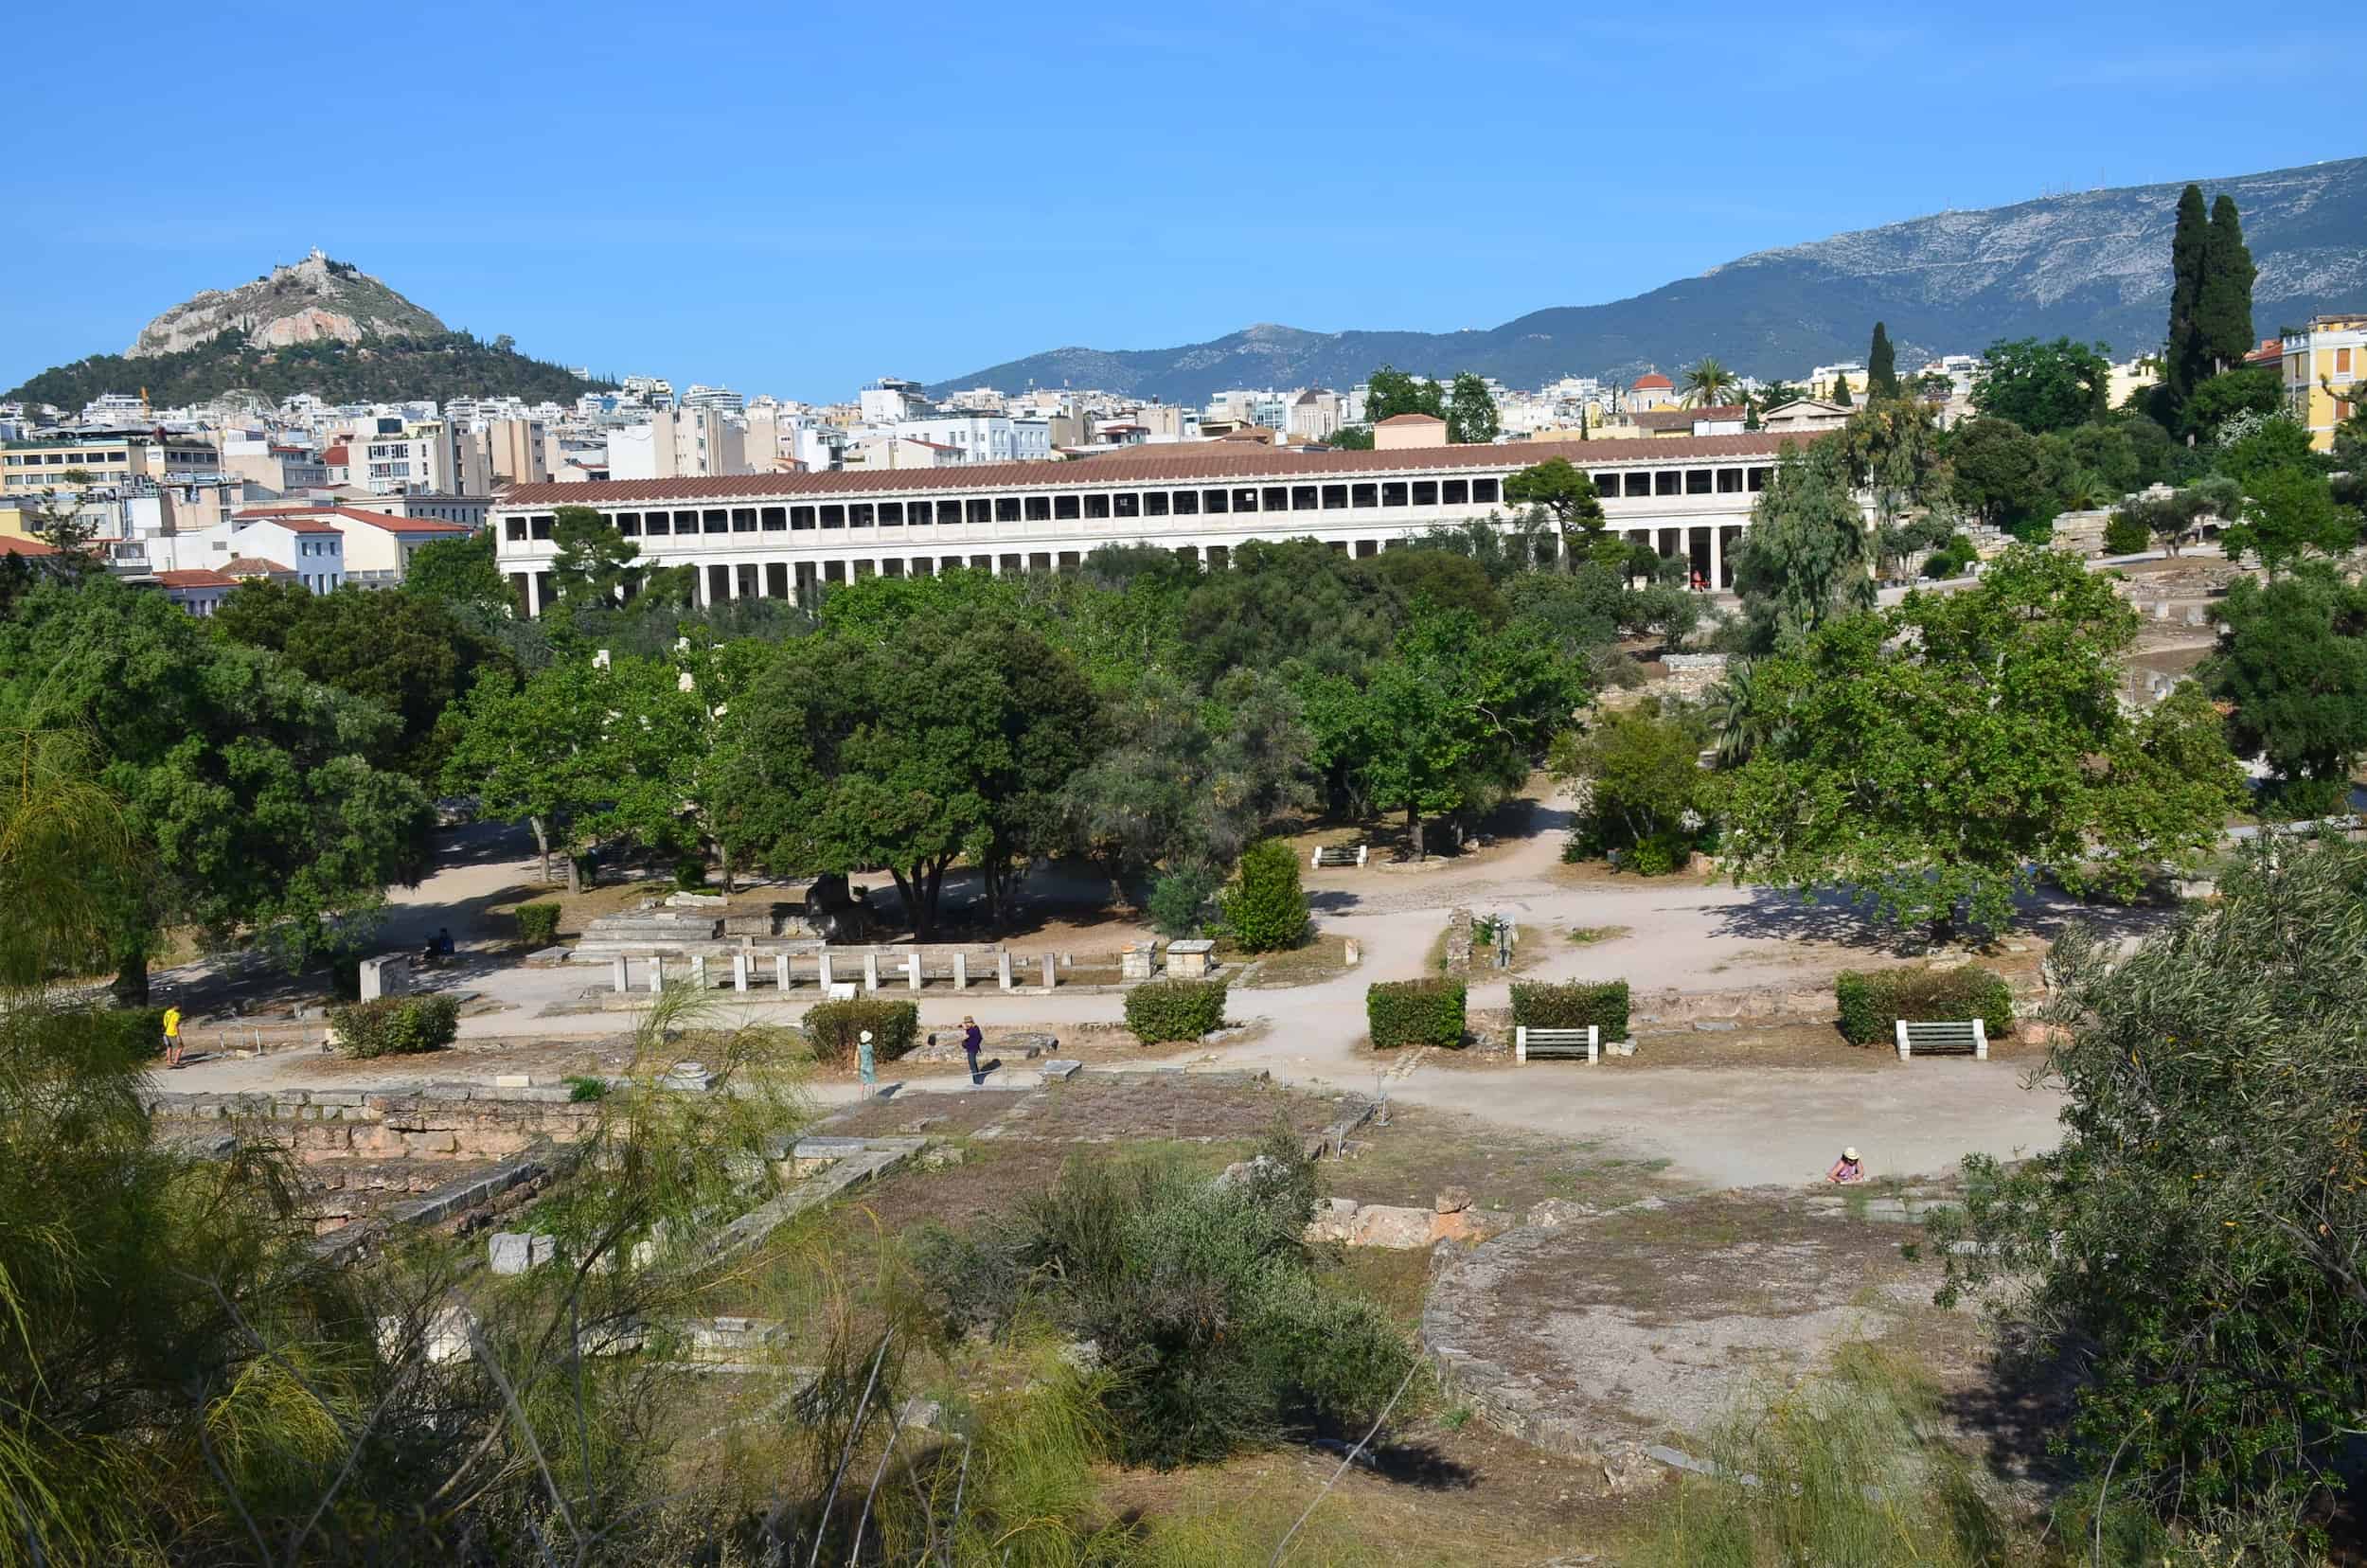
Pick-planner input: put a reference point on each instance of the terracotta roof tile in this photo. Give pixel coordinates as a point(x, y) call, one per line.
point(1652, 379)
point(14, 544)
point(1413, 420)
point(199, 577)
point(239, 566)
point(1212, 462)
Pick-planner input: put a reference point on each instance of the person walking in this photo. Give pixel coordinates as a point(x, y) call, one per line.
point(972, 1039)
point(172, 1037)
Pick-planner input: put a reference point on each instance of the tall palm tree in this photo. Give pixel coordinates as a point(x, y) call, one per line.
point(1709, 383)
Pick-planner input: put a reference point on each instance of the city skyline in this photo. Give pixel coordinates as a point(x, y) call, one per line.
point(1002, 190)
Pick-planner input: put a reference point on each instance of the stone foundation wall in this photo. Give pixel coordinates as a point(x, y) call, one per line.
point(433, 1122)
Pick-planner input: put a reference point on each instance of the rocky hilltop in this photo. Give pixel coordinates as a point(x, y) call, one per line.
point(323, 327)
point(316, 299)
point(2094, 265)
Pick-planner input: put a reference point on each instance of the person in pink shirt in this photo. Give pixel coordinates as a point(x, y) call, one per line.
point(1847, 1168)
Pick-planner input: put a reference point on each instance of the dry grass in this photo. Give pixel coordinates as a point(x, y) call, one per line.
point(1325, 957)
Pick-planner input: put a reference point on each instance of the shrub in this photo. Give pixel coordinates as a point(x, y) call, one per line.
point(396, 1025)
point(1660, 854)
point(129, 1032)
point(2126, 535)
point(833, 1029)
point(583, 1089)
point(538, 924)
point(1265, 909)
point(690, 873)
point(1872, 1004)
point(1573, 1007)
point(1415, 1013)
point(1179, 899)
point(1203, 1298)
point(1161, 1010)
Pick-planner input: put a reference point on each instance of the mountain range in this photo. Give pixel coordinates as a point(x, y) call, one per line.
point(2094, 266)
point(318, 325)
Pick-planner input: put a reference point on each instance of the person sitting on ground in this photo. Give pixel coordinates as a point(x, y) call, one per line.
point(444, 945)
point(1847, 1168)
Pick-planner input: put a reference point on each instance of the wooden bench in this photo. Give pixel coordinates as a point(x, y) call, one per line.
point(1339, 854)
point(1546, 1044)
point(1961, 1038)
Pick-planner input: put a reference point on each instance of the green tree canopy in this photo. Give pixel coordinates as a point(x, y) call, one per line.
point(593, 565)
point(1933, 757)
point(1999, 474)
point(1882, 366)
point(2223, 307)
point(1807, 554)
point(2043, 386)
point(244, 783)
point(1390, 392)
point(1564, 492)
point(2188, 357)
point(461, 573)
point(1450, 722)
point(2196, 1238)
point(1470, 411)
point(403, 651)
point(950, 740)
point(2292, 658)
point(1708, 383)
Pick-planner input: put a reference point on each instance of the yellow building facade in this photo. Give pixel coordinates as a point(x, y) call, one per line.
point(2325, 358)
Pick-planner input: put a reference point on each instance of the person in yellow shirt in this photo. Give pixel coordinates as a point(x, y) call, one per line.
point(172, 1037)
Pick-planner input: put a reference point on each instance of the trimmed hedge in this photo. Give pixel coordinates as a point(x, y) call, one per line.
point(1573, 1007)
point(1415, 1013)
point(1872, 1002)
point(832, 1029)
point(1161, 1010)
point(538, 924)
point(396, 1025)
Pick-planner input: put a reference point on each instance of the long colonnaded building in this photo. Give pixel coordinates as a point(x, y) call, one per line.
point(784, 536)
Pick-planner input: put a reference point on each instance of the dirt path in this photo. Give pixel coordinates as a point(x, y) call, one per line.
point(1719, 1127)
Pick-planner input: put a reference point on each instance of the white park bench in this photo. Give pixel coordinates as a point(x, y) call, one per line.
point(1339, 854)
point(1546, 1044)
point(1966, 1037)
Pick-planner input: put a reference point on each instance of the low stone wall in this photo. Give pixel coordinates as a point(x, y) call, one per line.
point(440, 1121)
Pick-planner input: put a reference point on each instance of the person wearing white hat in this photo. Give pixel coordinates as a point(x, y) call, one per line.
point(1847, 1168)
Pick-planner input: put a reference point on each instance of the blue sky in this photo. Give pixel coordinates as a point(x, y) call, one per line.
point(796, 199)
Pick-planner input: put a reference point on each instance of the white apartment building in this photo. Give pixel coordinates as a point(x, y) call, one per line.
point(689, 443)
point(721, 399)
point(982, 438)
point(892, 400)
point(377, 546)
point(790, 535)
point(311, 552)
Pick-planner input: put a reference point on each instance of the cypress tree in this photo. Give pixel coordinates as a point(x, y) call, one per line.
point(2223, 305)
point(1882, 366)
point(1840, 390)
point(2186, 362)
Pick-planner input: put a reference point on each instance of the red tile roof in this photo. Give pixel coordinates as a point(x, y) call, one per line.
point(337, 457)
point(291, 519)
point(393, 524)
point(1210, 461)
point(1652, 378)
point(239, 566)
point(1413, 420)
point(199, 577)
point(13, 544)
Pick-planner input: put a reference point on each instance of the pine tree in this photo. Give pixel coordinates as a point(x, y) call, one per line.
point(2187, 361)
point(1882, 366)
point(1841, 390)
point(2223, 304)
